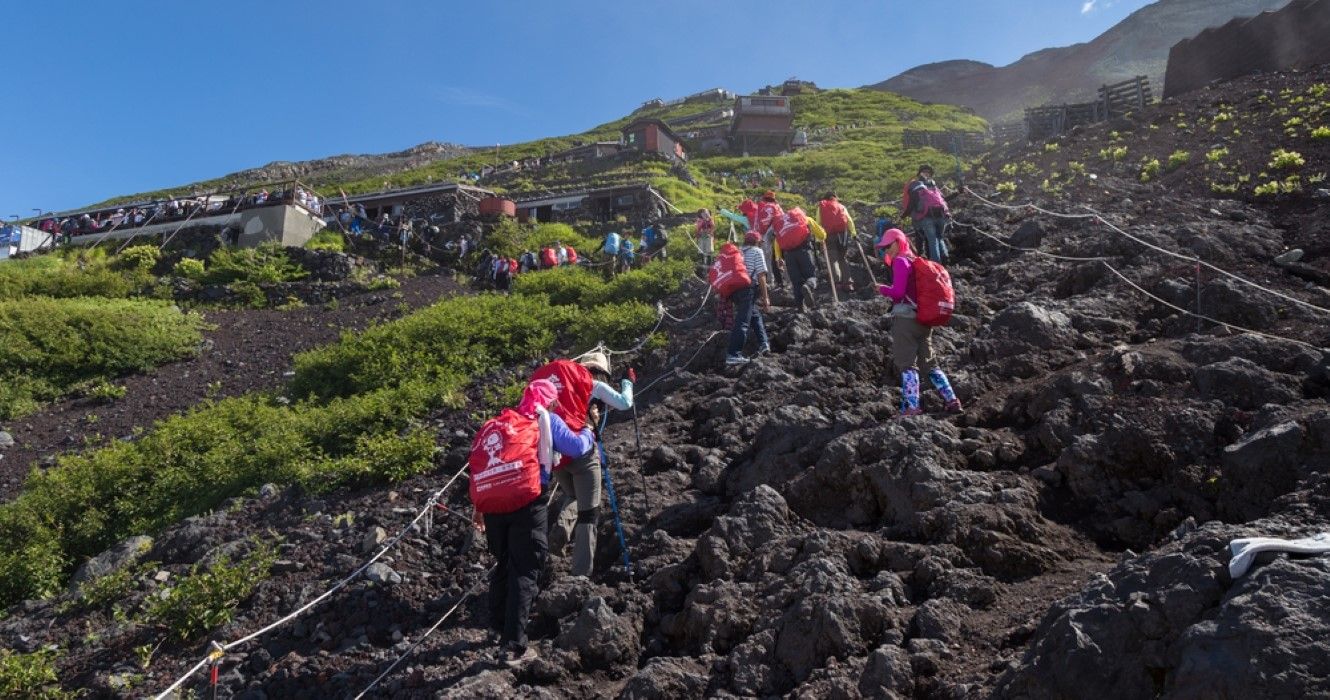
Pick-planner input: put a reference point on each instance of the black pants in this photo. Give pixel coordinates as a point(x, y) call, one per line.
point(517, 541)
point(799, 263)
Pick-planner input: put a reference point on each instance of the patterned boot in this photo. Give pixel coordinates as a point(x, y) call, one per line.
point(944, 390)
point(910, 393)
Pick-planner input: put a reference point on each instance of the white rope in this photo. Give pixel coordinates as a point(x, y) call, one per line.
point(1100, 218)
point(1216, 321)
point(1209, 266)
point(692, 316)
point(676, 368)
point(1036, 251)
point(429, 507)
point(469, 592)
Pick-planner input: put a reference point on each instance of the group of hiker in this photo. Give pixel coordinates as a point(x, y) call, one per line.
point(625, 254)
point(494, 271)
point(550, 441)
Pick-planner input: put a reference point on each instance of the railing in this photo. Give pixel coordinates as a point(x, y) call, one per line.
point(1114, 101)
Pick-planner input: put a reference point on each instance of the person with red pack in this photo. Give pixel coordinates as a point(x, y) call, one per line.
point(836, 219)
point(911, 339)
point(749, 302)
point(765, 220)
point(795, 236)
point(510, 462)
point(582, 390)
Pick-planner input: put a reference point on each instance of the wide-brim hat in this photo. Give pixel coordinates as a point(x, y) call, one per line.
point(595, 360)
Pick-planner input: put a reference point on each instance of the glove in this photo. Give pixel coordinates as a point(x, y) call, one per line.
point(632, 375)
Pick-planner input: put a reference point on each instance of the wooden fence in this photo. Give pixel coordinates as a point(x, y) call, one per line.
point(958, 142)
point(1114, 101)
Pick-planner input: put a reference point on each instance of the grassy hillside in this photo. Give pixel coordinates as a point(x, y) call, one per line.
point(867, 162)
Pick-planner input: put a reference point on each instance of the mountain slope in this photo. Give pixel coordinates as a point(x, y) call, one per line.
point(1138, 45)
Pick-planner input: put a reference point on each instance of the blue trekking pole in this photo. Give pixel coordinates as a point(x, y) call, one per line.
point(614, 501)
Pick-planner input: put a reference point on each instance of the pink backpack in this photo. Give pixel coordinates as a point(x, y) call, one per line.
point(928, 201)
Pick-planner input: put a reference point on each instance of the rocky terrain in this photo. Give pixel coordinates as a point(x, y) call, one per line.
point(1139, 45)
point(791, 536)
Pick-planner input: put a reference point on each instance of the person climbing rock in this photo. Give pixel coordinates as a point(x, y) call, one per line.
point(765, 218)
point(923, 202)
point(510, 462)
point(750, 303)
point(839, 225)
point(796, 234)
point(911, 341)
point(654, 242)
point(582, 390)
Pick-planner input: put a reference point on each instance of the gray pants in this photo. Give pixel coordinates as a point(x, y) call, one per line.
point(579, 499)
point(911, 345)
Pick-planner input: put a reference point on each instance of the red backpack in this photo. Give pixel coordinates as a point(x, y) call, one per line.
point(768, 216)
point(504, 465)
point(936, 299)
point(792, 229)
point(548, 258)
point(573, 383)
point(835, 218)
point(928, 201)
point(729, 274)
point(572, 255)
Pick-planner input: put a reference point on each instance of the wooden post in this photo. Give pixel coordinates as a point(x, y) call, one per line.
point(826, 262)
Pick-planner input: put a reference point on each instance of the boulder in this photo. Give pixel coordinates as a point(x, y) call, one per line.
point(382, 574)
point(601, 637)
point(123, 554)
point(1030, 234)
point(667, 678)
point(6, 440)
point(888, 674)
point(1245, 384)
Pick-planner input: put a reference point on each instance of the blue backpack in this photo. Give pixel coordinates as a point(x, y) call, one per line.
point(612, 244)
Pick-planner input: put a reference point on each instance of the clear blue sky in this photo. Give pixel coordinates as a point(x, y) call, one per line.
point(111, 98)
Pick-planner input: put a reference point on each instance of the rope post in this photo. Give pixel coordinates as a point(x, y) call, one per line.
point(214, 663)
point(1198, 295)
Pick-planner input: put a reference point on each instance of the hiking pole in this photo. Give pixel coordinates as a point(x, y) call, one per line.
point(826, 262)
point(867, 264)
point(614, 508)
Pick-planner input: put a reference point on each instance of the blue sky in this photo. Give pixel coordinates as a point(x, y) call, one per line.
point(110, 98)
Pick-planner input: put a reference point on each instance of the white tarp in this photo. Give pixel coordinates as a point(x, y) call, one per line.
point(1245, 549)
point(15, 239)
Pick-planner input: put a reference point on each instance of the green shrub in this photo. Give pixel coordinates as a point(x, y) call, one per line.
point(105, 591)
point(1149, 169)
point(1113, 153)
point(562, 285)
point(30, 676)
point(66, 274)
point(106, 392)
point(1177, 159)
point(1216, 155)
point(140, 258)
point(327, 239)
point(1321, 133)
point(267, 263)
point(54, 345)
point(190, 269)
point(1282, 159)
point(208, 596)
point(618, 325)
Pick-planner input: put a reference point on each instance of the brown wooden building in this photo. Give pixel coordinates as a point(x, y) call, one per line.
point(653, 136)
point(763, 125)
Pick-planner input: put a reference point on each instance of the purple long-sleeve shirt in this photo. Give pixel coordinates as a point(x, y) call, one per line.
point(568, 443)
point(901, 289)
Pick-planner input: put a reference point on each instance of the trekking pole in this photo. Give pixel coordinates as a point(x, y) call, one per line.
point(614, 508)
point(867, 264)
point(826, 262)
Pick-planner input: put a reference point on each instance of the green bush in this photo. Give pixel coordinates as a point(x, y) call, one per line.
point(1177, 159)
point(30, 676)
point(208, 596)
point(562, 285)
point(267, 263)
point(1149, 169)
point(327, 239)
point(1281, 159)
point(190, 269)
point(54, 345)
point(66, 274)
point(140, 258)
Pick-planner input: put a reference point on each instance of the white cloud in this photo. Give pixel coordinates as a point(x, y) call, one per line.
point(1088, 7)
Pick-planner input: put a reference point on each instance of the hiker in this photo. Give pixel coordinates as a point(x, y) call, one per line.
point(923, 202)
point(839, 225)
point(561, 253)
point(548, 258)
point(794, 238)
point(706, 235)
point(654, 241)
point(750, 303)
point(911, 341)
point(510, 464)
point(626, 257)
point(764, 221)
point(583, 389)
point(503, 275)
point(749, 209)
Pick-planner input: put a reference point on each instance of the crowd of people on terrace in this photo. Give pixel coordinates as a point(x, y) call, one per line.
point(63, 228)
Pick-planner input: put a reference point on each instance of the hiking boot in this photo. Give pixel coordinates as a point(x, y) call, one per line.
point(954, 406)
point(735, 360)
point(516, 657)
point(764, 350)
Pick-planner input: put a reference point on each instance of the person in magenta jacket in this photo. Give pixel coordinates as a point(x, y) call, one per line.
point(911, 341)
